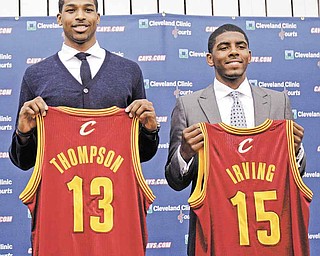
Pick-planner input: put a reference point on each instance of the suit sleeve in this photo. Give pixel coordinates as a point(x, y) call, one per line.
point(172, 169)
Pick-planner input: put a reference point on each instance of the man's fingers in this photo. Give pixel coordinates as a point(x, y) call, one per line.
point(298, 130)
point(191, 142)
point(28, 113)
point(144, 111)
point(34, 107)
point(193, 136)
point(139, 107)
point(191, 131)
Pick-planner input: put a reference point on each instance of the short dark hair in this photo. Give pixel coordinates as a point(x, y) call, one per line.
point(220, 30)
point(61, 3)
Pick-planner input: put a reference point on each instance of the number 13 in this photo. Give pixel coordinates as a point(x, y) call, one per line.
point(104, 204)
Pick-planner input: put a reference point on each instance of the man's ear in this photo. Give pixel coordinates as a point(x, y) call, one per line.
point(98, 18)
point(210, 59)
point(59, 19)
point(250, 55)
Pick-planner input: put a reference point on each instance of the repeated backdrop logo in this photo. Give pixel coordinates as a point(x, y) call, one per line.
point(171, 51)
point(286, 29)
point(7, 185)
point(5, 30)
point(5, 61)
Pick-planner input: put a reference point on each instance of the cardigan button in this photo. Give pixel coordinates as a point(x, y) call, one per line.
point(85, 90)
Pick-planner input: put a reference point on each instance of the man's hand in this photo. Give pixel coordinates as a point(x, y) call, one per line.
point(28, 112)
point(144, 111)
point(192, 141)
point(298, 132)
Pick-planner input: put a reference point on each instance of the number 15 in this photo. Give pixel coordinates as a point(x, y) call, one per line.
point(239, 200)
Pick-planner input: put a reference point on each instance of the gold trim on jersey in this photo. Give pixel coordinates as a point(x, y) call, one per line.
point(293, 163)
point(34, 181)
point(243, 131)
point(136, 161)
point(199, 193)
point(89, 112)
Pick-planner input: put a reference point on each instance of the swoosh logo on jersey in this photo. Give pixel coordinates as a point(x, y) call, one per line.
point(243, 148)
point(83, 131)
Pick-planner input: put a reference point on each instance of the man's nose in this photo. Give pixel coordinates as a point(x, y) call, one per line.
point(80, 14)
point(233, 50)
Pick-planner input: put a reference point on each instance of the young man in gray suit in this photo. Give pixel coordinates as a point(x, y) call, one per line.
point(229, 54)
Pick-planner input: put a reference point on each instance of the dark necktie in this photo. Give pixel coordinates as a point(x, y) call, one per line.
point(238, 118)
point(85, 72)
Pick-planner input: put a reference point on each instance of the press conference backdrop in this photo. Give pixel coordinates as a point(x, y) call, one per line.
point(170, 50)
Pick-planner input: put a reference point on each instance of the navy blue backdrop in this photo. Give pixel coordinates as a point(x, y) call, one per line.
point(170, 50)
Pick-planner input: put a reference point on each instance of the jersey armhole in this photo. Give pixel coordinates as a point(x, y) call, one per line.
point(199, 193)
point(28, 193)
point(136, 161)
point(293, 162)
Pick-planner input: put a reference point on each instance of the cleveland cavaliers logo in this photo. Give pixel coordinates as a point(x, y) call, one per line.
point(245, 145)
point(85, 130)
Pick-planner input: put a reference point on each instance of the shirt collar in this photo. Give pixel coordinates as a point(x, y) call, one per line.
point(68, 52)
point(221, 90)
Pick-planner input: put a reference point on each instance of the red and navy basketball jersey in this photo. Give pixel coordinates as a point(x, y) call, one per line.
point(249, 198)
point(87, 194)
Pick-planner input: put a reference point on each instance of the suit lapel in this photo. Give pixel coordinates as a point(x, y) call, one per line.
point(209, 106)
point(261, 102)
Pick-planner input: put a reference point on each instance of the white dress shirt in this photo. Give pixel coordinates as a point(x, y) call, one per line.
point(72, 63)
point(225, 101)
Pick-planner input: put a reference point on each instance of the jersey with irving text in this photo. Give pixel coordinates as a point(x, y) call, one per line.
point(249, 198)
point(87, 194)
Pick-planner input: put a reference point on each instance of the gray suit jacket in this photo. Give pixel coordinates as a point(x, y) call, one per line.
point(201, 106)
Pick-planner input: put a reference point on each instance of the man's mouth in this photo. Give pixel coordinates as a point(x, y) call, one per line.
point(232, 62)
point(80, 28)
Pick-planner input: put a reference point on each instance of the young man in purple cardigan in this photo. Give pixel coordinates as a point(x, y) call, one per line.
point(56, 81)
